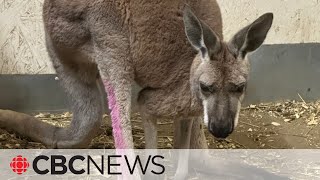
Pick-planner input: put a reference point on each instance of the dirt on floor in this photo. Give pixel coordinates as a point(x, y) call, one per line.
point(265, 126)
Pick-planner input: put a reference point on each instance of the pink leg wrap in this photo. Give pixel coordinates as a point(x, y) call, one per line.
point(117, 129)
point(115, 117)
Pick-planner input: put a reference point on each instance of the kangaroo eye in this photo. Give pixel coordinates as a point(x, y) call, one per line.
point(207, 89)
point(240, 88)
point(204, 88)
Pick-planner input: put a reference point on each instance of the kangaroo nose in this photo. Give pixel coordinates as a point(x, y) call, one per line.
point(220, 129)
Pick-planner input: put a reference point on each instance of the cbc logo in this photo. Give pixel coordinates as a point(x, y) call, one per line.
point(19, 164)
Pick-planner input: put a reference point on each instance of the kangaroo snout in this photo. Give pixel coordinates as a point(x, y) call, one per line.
point(221, 128)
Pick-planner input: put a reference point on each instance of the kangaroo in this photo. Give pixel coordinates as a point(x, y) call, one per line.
point(175, 54)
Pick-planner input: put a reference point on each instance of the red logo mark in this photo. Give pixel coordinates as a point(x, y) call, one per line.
point(19, 164)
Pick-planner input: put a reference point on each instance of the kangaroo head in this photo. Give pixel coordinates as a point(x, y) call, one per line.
point(220, 70)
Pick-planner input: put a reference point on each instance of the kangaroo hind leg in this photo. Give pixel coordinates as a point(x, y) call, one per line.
point(78, 76)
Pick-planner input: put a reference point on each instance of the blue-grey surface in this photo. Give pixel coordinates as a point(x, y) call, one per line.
point(278, 72)
point(31, 93)
point(281, 72)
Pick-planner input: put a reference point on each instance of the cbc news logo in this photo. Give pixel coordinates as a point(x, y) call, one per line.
point(19, 164)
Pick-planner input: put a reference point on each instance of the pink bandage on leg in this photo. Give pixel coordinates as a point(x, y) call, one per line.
point(117, 129)
point(115, 117)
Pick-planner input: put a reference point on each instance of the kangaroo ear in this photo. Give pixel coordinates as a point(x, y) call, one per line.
point(252, 36)
point(200, 35)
